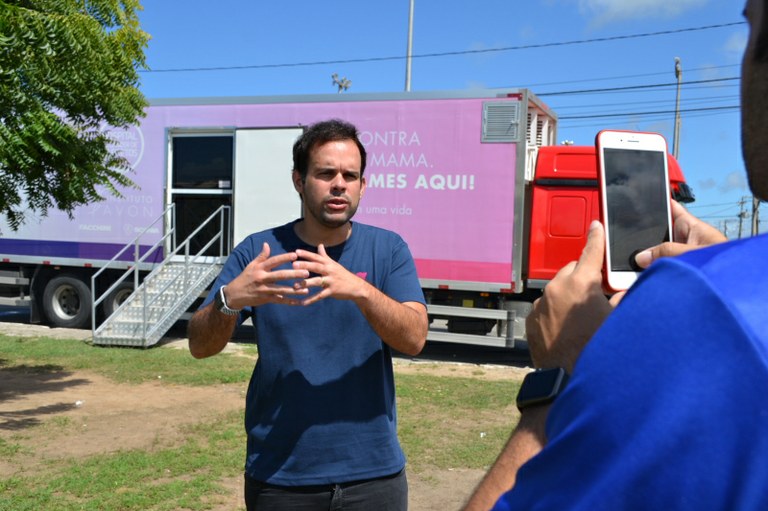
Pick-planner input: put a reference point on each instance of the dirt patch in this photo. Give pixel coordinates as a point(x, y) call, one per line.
point(481, 372)
point(83, 414)
point(80, 414)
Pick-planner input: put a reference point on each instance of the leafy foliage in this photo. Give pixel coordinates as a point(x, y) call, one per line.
point(68, 70)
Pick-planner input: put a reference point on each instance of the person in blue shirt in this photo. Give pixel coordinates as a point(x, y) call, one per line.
point(664, 408)
point(329, 299)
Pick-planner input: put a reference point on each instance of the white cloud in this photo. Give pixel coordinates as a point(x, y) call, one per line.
point(734, 45)
point(710, 72)
point(734, 181)
point(610, 11)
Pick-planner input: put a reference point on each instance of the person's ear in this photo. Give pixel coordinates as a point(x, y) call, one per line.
point(298, 184)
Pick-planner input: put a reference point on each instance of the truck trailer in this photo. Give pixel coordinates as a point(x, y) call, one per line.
point(490, 206)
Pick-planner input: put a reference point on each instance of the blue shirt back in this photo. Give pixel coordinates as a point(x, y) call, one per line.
point(665, 408)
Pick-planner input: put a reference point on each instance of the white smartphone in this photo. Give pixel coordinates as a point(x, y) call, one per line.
point(634, 200)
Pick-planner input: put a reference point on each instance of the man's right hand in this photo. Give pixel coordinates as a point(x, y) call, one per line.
point(571, 309)
point(259, 282)
point(689, 233)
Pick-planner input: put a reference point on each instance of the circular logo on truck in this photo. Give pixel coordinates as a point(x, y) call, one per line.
point(128, 143)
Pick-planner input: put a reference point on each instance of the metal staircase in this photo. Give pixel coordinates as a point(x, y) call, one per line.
point(167, 292)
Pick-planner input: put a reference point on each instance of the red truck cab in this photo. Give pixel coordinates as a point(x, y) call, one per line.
point(564, 202)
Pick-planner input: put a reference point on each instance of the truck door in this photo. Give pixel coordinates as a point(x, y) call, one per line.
point(201, 169)
point(247, 169)
point(264, 196)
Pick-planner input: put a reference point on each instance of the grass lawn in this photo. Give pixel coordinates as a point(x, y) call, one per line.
point(445, 422)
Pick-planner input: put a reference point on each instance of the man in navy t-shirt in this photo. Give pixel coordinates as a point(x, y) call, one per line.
point(329, 299)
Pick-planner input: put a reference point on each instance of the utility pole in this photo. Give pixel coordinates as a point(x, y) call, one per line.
point(679, 76)
point(724, 228)
point(409, 49)
point(755, 215)
point(742, 214)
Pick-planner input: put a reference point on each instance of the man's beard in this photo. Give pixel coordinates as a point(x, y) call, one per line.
point(332, 221)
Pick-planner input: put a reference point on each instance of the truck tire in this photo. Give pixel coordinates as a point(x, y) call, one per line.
point(116, 298)
point(67, 302)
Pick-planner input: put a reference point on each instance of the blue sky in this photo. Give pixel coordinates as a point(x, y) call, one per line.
point(626, 49)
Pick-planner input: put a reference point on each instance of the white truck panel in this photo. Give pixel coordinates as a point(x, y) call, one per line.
point(264, 197)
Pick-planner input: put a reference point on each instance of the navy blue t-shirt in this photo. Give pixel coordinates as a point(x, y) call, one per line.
point(320, 406)
point(666, 406)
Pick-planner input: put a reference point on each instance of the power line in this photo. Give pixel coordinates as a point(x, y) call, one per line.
point(444, 54)
point(703, 99)
point(633, 87)
point(642, 89)
point(689, 112)
point(660, 112)
point(735, 216)
point(690, 104)
point(623, 77)
point(690, 206)
point(585, 123)
point(626, 89)
point(722, 213)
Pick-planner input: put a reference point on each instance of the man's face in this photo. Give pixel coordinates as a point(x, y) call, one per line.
point(754, 99)
point(333, 186)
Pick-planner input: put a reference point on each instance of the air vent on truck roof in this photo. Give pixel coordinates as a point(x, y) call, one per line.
point(501, 121)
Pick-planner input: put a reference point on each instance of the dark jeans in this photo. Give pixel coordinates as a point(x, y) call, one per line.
point(383, 494)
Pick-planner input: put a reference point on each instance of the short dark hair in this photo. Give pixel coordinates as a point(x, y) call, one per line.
point(759, 33)
point(320, 133)
point(761, 43)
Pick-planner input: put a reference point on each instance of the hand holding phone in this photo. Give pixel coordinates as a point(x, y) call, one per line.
point(572, 308)
point(689, 233)
point(634, 200)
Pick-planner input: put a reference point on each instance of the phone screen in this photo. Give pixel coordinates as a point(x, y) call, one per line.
point(637, 203)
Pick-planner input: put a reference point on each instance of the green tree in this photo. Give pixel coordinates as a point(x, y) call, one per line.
point(68, 70)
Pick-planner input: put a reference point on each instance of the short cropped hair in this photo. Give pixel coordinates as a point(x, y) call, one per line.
point(321, 133)
point(760, 35)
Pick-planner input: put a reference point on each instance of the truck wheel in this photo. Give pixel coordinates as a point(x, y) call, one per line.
point(116, 298)
point(67, 302)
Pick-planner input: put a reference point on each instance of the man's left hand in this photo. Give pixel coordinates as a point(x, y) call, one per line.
point(331, 277)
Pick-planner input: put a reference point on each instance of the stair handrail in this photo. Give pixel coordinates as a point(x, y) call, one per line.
point(132, 267)
point(224, 222)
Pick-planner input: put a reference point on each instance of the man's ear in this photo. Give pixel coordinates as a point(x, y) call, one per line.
point(362, 186)
point(298, 183)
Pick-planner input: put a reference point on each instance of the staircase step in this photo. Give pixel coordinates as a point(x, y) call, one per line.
point(126, 327)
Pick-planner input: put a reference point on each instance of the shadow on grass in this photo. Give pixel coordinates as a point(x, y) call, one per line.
point(23, 380)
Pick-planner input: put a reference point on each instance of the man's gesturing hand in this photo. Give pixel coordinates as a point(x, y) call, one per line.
point(572, 308)
point(260, 283)
point(331, 277)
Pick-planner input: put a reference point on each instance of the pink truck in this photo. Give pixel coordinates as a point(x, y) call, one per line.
point(459, 175)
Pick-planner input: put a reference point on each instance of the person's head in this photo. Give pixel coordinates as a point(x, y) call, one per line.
point(320, 133)
point(328, 173)
point(754, 98)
